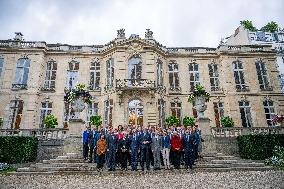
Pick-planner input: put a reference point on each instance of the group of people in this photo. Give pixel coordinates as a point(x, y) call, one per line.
point(132, 145)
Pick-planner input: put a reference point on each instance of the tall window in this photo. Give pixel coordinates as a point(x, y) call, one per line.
point(173, 75)
point(239, 76)
point(45, 110)
point(16, 112)
point(50, 75)
point(160, 78)
point(193, 75)
point(110, 72)
point(108, 112)
point(269, 112)
point(161, 109)
point(245, 113)
point(95, 75)
point(72, 74)
point(22, 73)
point(176, 109)
point(1, 67)
point(219, 112)
point(262, 75)
point(92, 110)
point(214, 77)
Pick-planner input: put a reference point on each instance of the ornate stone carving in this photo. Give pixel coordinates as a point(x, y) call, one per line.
point(200, 106)
point(121, 33)
point(78, 105)
point(148, 34)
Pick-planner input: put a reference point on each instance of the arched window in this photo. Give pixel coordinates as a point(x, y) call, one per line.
point(72, 74)
point(160, 78)
point(135, 112)
point(22, 73)
point(50, 75)
point(134, 70)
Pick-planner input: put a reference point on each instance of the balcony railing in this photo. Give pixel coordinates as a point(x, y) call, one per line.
point(238, 131)
point(122, 84)
point(42, 134)
point(19, 86)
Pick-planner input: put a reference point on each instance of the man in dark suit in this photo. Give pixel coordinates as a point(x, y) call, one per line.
point(134, 149)
point(145, 146)
point(188, 146)
point(123, 148)
point(112, 146)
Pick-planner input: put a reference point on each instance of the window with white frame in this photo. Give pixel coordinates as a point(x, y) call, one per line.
point(95, 76)
point(50, 75)
point(160, 78)
point(110, 72)
point(161, 109)
point(269, 111)
point(72, 74)
point(193, 75)
point(22, 73)
point(1, 67)
point(219, 112)
point(15, 114)
point(108, 112)
point(262, 75)
point(93, 109)
point(45, 110)
point(214, 77)
point(239, 76)
point(245, 113)
point(176, 109)
point(173, 75)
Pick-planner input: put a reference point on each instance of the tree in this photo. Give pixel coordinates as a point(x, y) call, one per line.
point(247, 24)
point(270, 27)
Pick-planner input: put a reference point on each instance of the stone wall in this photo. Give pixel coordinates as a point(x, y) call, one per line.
point(227, 146)
point(48, 149)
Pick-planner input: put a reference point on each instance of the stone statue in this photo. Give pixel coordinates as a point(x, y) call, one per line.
point(148, 34)
point(200, 106)
point(78, 105)
point(121, 33)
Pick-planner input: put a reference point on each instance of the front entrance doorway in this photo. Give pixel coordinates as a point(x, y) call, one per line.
point(135, 112)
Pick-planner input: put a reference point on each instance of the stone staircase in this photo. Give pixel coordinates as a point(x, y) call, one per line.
point(72, 163)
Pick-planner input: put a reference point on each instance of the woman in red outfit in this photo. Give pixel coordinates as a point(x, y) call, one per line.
point(176, 148)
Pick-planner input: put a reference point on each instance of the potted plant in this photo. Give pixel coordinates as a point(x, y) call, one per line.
point(96, 120)
point(188, 121)
point(171, 120)
point(50, 122)
point(198, 98)
point(227, 121)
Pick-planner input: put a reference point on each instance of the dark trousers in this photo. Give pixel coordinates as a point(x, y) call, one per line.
point(91, 147)
point(134, 159)
point(123, 159)
point(85, 150)
point(176, 159)
point(188, 158)
point(195, 151)
point(101, 160)
point(111, 159)
point(95, 155)
point(145, 157)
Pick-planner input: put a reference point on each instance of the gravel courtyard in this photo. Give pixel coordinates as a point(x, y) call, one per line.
point(252, 179)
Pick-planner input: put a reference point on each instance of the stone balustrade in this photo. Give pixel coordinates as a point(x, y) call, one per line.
point(42, 134)
point(238, 131)
point(135, 83)
point(22, 44)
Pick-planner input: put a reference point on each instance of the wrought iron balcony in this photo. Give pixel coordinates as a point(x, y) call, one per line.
point(19, 86)
point(128, 84)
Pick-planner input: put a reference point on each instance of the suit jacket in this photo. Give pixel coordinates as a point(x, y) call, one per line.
point(187, 142)
point(176, 142)
point(134, 142)
point(101, 147)
point(145, 137)
point(156, 143)
point(112, 142)
point(123, 145)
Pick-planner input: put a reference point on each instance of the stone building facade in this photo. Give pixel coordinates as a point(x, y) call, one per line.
point(137, 81)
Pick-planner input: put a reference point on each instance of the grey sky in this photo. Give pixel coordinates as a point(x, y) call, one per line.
point(174, 22)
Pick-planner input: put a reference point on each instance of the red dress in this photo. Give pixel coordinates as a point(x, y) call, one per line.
point(176, 143)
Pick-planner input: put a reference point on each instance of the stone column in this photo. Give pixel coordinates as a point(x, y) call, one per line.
point(209, 144)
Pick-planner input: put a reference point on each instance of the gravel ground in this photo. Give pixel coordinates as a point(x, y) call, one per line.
point(200, 180)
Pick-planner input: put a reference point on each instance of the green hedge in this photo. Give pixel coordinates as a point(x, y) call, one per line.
point(259, 147)
point(18, 149)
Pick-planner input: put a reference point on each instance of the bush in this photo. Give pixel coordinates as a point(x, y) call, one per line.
point(259, 147)
point(50, 121)
point(227, 121)
point(96, 120)
point(171, 120)
point(278, 157)
point(188, 121)
point(18, 149)
point(1, 122)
